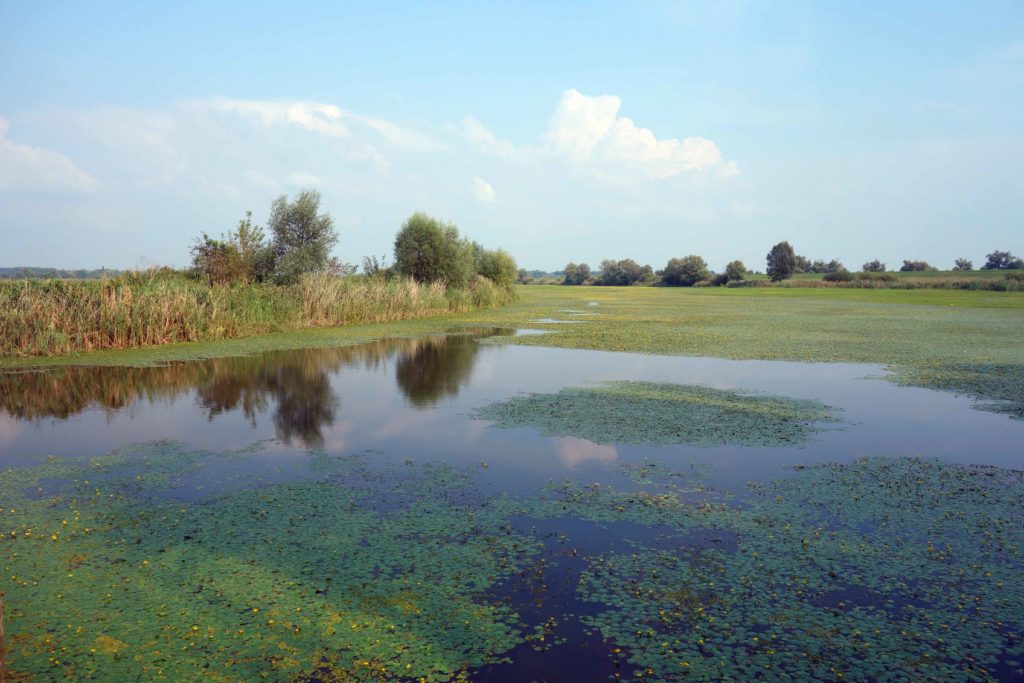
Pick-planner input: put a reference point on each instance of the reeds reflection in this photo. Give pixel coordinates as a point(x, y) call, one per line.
point(294, 386)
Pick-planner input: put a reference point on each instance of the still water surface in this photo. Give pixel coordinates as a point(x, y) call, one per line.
point(413, 399)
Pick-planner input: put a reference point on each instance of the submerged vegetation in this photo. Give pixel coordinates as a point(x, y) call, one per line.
point(367, 570)
point(652, 413)
point(363, 575)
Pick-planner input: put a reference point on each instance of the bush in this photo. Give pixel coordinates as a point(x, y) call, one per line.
point(576, 274)
point(686, 271)
point(963, 264)
point(916, 266)
point(1002, 260)
point(876, 277)
point(428, 250)
point(838, 276)
point(735, 271)
point(498, 266)
point(875, 266)
point(624, 272)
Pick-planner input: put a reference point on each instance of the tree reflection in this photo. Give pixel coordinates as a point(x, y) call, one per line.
point(295, 386)
point(439, 367)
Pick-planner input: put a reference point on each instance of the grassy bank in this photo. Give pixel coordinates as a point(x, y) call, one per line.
point(966, 341)
point(52, 317)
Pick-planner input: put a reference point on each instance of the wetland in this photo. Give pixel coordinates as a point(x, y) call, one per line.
point(475, 502)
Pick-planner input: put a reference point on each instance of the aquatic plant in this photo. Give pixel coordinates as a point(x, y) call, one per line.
point(106, 576)
point(879, 569)
point(654, 413)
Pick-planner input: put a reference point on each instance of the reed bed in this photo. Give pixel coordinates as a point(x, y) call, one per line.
point(52, 317)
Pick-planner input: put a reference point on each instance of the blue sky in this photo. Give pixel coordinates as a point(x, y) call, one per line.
point(559, 131)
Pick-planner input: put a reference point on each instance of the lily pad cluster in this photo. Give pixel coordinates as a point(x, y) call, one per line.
point(371, 570)
point(880, 569)
point(657, 413)
point(361, 574)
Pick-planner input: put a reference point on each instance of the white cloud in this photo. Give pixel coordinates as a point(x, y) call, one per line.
point(35, 169)
point(304, 179)
point(483, 191)
point(314, 116)
point(484, 139)
point(587, 131)
point(401, 138)
point(325, 119)
point(257, 178)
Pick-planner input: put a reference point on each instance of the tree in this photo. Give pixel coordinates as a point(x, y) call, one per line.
point(781, 262)
point(624, 272)
point(803, 265)
point(303, 237)
point(572, 274)
point(428, 250)
point(963, 264)
point(735, 271)
point(1002, 260)
point(875, 266)
point(686, 271)
point(818, 266)
point(915, 266)
point(498, 266)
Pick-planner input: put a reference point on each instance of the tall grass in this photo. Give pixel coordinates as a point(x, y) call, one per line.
point(48, 317)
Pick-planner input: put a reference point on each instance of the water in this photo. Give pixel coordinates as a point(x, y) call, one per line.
point(413, 400)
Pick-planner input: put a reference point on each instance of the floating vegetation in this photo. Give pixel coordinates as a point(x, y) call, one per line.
point(106, 578)
point(653, 413)
point(880, 569)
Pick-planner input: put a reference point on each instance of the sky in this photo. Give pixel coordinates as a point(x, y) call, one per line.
point(558, 131)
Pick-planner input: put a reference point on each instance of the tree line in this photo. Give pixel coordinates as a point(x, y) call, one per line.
point(782, 263)
point(301, 238)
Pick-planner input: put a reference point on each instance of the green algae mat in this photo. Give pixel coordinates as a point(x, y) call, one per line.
point(367, 570)
point(657, 413)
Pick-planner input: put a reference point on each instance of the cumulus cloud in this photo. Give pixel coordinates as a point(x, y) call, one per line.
point(587, 131)
point(34, 169)
point(483, 191)
point(323, 118)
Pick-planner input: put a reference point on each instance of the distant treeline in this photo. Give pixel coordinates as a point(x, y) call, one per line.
point(28, 273)
point(782, 264)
